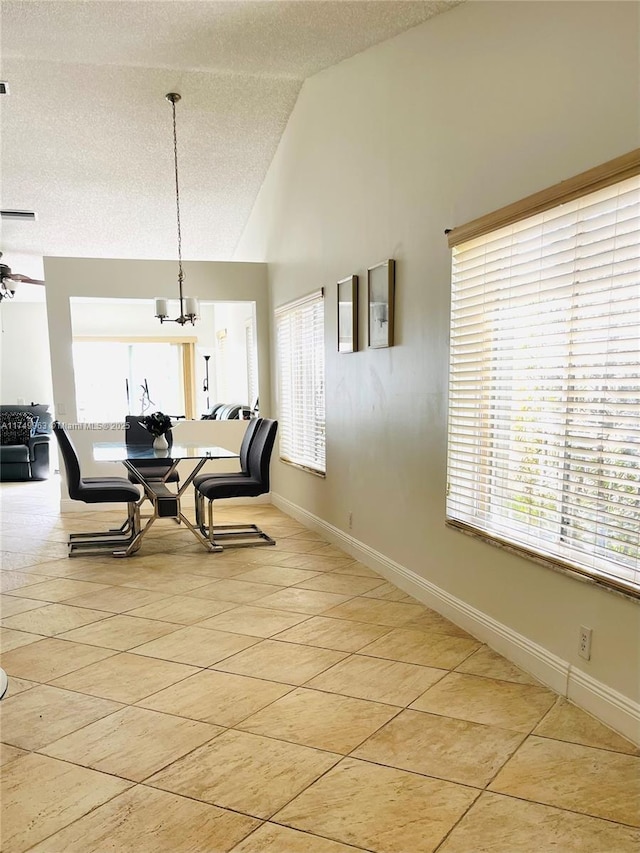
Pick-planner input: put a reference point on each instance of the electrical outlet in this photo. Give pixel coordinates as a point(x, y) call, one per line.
point(584, 648)
point(350, 521)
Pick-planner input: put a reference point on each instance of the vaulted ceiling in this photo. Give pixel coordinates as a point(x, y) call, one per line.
point(86, 130)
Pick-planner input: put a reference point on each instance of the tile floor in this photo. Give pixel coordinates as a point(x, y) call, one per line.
point(274, 700)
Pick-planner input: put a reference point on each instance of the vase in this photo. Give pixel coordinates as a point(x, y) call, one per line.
point(160, 443)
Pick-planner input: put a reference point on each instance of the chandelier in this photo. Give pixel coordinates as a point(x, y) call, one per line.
point(188, 306)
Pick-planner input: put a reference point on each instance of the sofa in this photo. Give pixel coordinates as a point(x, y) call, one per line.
point(25, 433)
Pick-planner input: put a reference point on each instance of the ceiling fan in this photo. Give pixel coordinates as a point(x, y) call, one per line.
point(9, 279)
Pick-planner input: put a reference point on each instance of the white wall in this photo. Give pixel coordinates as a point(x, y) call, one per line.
point(231, 318)
point(474, 109)
point(24, 350)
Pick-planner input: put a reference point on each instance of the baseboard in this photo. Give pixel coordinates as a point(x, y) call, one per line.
point(70, 506)
point(612, 708)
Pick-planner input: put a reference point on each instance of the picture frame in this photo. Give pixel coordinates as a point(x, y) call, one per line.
point(347, 303)
point(380, 299)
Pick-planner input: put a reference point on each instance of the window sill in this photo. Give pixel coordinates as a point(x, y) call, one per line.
point(620, 588)
point(321, 474)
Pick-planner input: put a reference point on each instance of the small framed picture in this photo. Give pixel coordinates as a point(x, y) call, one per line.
point(380, 291)
point(348, 314)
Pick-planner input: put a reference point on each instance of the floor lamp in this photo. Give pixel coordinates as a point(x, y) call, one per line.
point(205, 385)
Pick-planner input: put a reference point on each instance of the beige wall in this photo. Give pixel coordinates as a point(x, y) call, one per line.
point(470, 111)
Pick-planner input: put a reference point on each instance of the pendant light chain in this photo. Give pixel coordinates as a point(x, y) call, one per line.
point(175, 160)
point(188, 306)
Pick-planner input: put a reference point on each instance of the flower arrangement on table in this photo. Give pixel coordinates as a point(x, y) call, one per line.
point(158, 423)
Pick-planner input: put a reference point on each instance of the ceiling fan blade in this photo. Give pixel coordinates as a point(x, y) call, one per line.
point(7, 275)
point(15, 276)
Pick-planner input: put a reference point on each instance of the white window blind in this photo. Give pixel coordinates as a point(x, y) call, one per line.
point(300, 351)
point(544, 407)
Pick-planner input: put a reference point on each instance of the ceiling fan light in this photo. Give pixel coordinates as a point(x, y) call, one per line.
point(7, 289)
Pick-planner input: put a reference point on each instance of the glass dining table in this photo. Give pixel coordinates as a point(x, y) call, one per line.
point(166, 502)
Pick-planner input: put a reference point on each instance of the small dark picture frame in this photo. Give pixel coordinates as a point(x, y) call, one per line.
point(380, 292)
point(348, 314)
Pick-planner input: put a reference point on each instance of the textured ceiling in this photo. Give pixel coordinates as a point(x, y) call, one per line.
point(86, 131)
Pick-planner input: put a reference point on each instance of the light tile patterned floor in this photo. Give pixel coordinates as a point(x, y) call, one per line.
point(274, 700)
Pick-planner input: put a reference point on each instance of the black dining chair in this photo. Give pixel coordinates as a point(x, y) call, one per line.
point(94, 490)
point(255, 482)
point(245, 446)
point(153, 470)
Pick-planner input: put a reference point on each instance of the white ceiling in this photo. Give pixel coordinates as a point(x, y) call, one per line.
point(86, 130)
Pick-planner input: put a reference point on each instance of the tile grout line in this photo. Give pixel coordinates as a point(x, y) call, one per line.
point(305, 685)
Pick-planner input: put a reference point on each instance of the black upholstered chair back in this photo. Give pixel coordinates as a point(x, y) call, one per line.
point(260, 451)
point(70, 460)
point(247, 440)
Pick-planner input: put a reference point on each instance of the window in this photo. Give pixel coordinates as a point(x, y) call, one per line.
point(114, 378)
point(300, 353)
point(544, 407)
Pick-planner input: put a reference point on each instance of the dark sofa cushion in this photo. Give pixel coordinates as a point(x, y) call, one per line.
point(24, 441)
point(11, 454)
